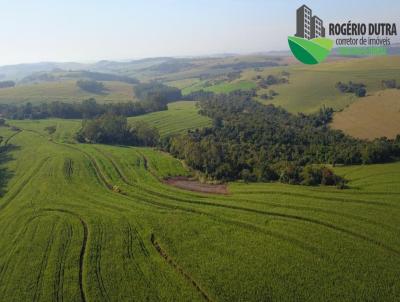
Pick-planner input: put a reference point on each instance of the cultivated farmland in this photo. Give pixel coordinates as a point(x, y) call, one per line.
point(96, 223)
point(179, 117)
point(371, 117)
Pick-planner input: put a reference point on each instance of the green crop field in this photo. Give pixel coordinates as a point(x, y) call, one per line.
point(95, 223)
point(65, 91)
point(179, 117)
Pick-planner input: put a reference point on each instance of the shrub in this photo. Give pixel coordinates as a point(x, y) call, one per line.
point(50, 129)
point(389, 84)
point(313, 175)
point(357, 88)
point(361, 92)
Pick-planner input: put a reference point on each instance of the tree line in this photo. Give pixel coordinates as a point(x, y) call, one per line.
point(152, 97)
point(7, 84)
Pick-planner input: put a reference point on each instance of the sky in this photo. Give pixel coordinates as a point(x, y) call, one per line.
point(92, 30)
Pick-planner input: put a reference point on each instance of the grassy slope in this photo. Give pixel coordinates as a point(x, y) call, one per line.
point(66, 91)
point(59, 221)
point(371, 117)
point(179, 117)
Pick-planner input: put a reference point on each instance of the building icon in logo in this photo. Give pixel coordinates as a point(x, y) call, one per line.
point(308, 26)
point(309, 44)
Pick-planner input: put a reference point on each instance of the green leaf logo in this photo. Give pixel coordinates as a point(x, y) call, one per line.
point(310, 51)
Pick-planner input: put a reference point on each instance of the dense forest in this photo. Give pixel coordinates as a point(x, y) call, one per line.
point(255, 142)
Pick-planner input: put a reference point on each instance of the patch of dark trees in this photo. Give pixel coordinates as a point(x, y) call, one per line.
point(270, 95)
point(7, 84)
point(359, 89)
point(265, 82)
point(110, 128)
point(91, 86)
point(152, 97)
point(389, 84)
point(254, 142)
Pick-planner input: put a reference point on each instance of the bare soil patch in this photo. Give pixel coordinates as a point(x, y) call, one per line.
point(196, 186)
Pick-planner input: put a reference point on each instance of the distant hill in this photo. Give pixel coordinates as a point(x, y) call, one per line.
point(59, 75)
point(66, 91)
point(17, 72)
point(308, 87)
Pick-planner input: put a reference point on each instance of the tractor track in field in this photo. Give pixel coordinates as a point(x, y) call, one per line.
point(178, 268)
point(255, 211)
point(11, 137)
point(82, 254)
point(63, 251)
point(308, 220)
point(333, 199)
point(269, 213)
point(132, 265)
point(68, 169)
point(27, 179)
point(97, 257)
point(132, 234)
point(43, 265)
point(248, 226)
point(103, 180)
point(17, 238)
point(302, 208)
point(319, 210)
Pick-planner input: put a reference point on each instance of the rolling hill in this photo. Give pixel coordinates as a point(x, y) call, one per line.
point(310, 87)
point(96, 223)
